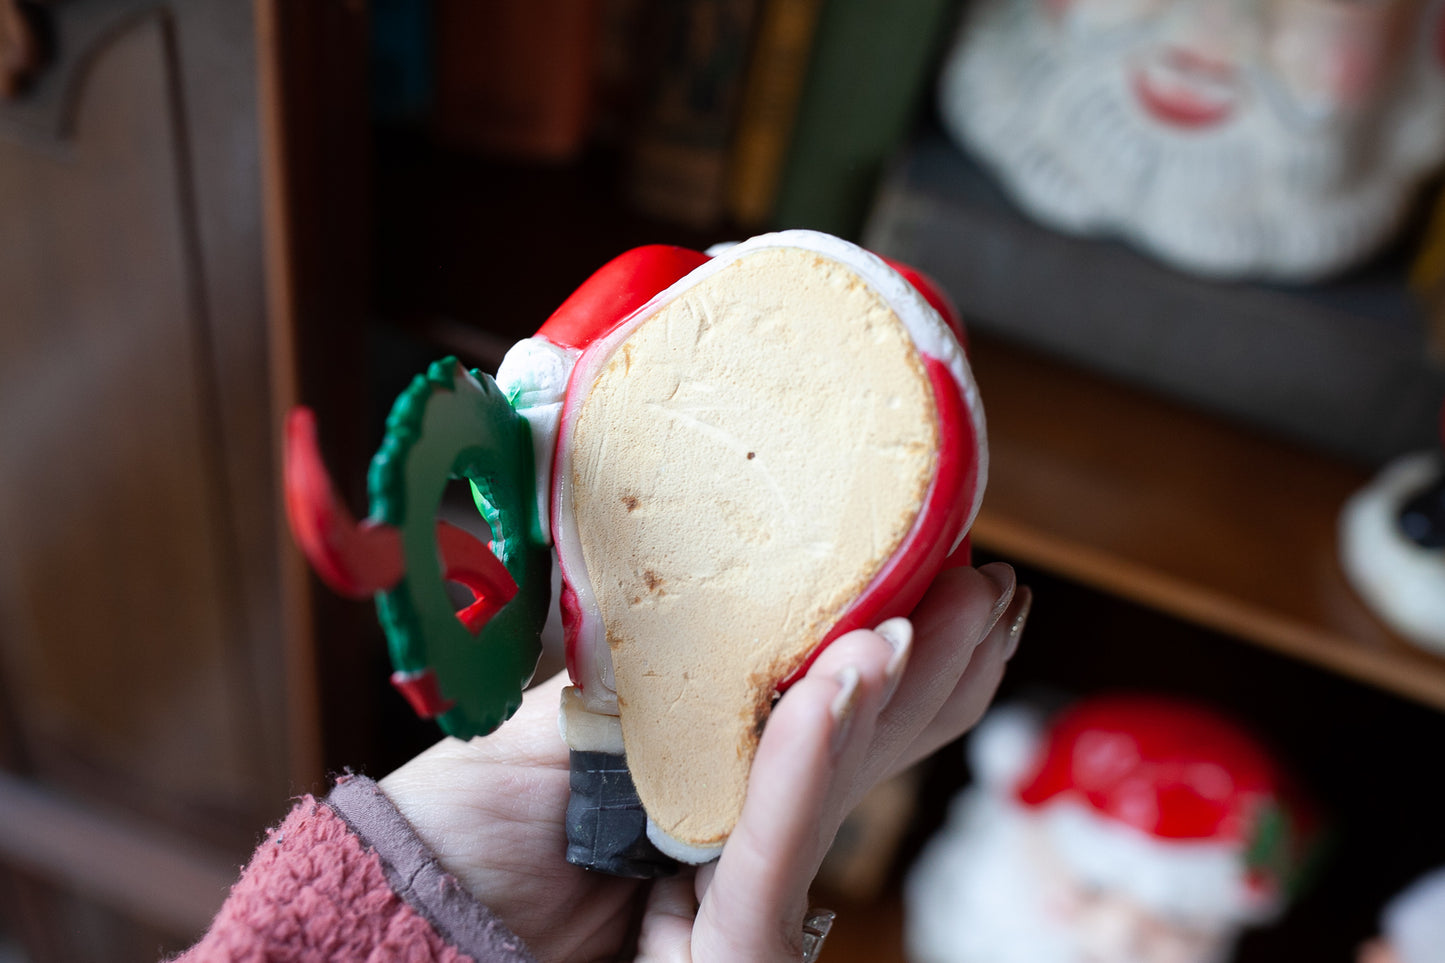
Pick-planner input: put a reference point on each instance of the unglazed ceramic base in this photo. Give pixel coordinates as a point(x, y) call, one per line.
point(741, 468)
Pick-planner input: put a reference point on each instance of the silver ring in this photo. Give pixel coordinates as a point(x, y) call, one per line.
point(815, 931)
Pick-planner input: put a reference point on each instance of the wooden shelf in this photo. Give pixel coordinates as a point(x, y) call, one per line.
point(1204, 520)
point(864, 933)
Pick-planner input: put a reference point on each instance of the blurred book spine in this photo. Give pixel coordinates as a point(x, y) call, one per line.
point(401, 60)
point(870, 73)
point(620, 68)
point(516, 78)
point(1427, 277)
point(772, 92)
point(679, 158)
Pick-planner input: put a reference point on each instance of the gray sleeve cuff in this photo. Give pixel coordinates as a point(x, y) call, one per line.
point(417, 877)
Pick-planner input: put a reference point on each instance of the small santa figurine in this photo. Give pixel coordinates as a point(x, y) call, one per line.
point(1129, 829)
point(1412, 925)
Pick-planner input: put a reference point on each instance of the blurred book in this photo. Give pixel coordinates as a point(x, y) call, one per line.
point(869, 77)
point(1427, 275)
point(772, 92)
point(679, 155)
point(621, 69)
point(400, 61)
point(516, 78)
point(1341, 366)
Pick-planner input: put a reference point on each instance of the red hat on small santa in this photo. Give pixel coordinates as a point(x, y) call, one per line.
point(1160, 798)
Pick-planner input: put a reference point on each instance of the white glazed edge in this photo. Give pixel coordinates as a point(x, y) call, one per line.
point(678, 850)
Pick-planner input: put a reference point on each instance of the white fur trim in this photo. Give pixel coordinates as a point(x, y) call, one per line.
point(1414, 921)
point(1004, 745)
point(533, 375)
point(1402, 582)
point(1188, 878)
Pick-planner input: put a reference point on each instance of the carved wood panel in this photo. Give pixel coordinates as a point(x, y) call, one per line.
point(138, 612)
point(147, 677)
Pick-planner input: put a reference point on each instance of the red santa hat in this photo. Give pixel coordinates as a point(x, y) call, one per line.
point(1161, 799)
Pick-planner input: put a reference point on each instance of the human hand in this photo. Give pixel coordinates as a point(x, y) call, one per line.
point(872, 704)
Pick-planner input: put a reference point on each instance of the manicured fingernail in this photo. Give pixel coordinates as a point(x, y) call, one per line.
point(898, 633)
point(1002, 575)
point(843, 706)
point(1019, 614)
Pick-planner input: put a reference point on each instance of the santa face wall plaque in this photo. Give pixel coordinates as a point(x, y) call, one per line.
point(1278, 139)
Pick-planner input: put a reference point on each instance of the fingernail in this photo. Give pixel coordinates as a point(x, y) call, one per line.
point(898, 633)
point(1023, 604)
point(843, 705)
point(1002, 575)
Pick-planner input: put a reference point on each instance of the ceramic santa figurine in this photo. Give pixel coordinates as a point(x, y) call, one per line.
point(1128, 829)
point(711, 459)
point(1412, 927)
point(1392, 545)
point(1278, 139)
point(735, 457)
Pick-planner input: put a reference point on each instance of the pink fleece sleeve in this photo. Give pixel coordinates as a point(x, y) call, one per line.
point(315, 890)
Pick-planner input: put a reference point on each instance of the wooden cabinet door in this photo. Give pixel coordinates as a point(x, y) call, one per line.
point(141, 662)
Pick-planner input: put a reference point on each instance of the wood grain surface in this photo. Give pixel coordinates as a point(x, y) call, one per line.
point(1200, 518)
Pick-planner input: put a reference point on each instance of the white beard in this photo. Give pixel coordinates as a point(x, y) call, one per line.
point(1271, 192)
point(973, 898)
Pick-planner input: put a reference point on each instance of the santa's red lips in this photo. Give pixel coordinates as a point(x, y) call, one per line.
point(1186, 89)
